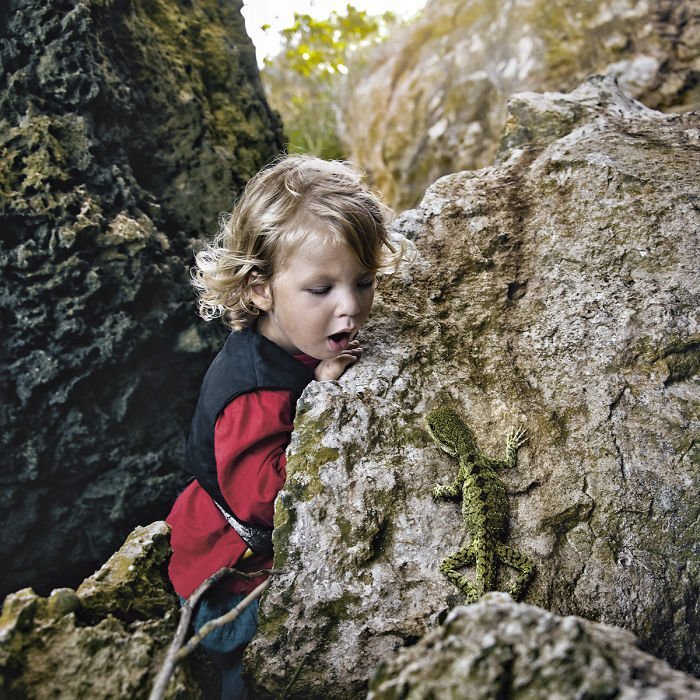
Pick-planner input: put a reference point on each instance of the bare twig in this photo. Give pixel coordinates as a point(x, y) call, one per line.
point(230, 616)
point(174, 653)
point(295, 676)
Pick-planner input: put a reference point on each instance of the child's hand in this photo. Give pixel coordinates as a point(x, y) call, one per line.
point(332, 369)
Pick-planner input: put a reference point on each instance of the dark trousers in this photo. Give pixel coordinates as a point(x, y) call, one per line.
point(225, 645)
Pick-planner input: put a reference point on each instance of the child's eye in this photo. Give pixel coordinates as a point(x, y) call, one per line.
point(364, 284)
point(318, 290)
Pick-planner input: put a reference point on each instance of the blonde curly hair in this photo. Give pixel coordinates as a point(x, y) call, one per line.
point(294, 197)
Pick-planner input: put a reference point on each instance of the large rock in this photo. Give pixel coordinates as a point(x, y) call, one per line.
point(105, 640)
point(125, 128)
point(558, 290)
point(432, 100)
point(498, 649)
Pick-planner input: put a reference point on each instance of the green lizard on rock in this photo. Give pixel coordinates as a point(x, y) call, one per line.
point(485, 507)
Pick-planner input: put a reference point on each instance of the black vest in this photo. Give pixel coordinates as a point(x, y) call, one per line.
point(247, 362)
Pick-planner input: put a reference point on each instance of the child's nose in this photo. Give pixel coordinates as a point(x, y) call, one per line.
point(349, 304)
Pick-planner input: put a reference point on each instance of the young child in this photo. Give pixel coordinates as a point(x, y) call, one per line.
point(292, 273)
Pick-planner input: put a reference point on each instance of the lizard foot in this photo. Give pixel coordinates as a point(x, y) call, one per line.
point(518, 437)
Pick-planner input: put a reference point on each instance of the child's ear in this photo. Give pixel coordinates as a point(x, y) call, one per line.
point(261, 295)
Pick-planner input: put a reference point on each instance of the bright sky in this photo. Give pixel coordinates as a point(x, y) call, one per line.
point(279, 14)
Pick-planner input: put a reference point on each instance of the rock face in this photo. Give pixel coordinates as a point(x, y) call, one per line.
point(433, 99)
point(125, 128)
point(557, 290)
point(105, 640)
point(498, 649)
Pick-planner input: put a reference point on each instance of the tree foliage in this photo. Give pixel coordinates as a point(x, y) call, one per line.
point(303, 80)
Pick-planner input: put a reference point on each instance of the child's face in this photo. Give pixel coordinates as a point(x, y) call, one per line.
point(317, 301)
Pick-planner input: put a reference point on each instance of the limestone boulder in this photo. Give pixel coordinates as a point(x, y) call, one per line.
point(498, 648)
point(432, 100)
point(558, 290)
point(125, 128)
point(105, 640)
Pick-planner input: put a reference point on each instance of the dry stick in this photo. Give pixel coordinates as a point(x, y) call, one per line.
point(230, 616)
point(161, 681)
point(172, 656)
point(295, 676)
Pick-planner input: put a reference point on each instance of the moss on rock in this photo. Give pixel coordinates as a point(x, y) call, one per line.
point(553, 290)
point(125, 129)
point(106, 640)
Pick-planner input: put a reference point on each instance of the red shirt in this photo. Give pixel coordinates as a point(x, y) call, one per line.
point(250, 439)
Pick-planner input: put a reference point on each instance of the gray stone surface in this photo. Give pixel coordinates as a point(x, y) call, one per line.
point(125, 128)
point(558, 290)
point(432, 100)
point(499, 649)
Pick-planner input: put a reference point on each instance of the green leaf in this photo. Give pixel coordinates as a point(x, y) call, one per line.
point(302, 81)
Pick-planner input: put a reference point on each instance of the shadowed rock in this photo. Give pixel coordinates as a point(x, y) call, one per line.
point(125, 128)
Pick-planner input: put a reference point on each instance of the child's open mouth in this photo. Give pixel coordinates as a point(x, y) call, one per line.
point(339, 341)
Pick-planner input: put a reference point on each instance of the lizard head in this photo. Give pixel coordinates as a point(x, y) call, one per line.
point(449, 431)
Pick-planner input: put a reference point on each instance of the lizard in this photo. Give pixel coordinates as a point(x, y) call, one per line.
point(485, 507)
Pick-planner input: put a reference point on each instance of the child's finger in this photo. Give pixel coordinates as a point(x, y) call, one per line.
point(354, 352)
point(348, 358)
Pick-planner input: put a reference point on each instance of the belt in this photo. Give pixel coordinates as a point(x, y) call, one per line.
point(257, 537)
